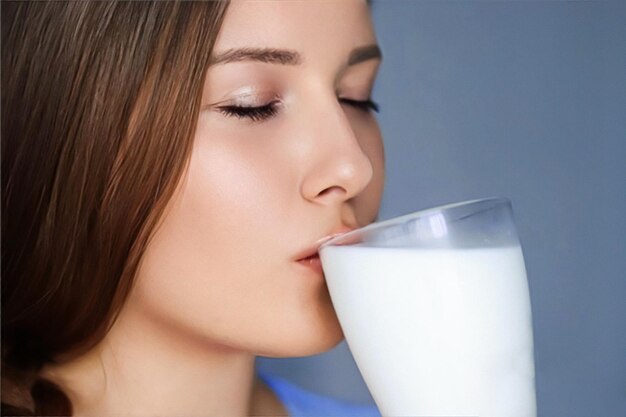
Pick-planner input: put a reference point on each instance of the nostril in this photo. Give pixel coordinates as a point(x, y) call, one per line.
point(334, 190)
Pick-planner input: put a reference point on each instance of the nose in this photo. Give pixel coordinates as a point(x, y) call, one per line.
point(338, 169)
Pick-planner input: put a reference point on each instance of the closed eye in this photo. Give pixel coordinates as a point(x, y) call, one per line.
point(365, 105)
point(253, 113)
point(270, 109)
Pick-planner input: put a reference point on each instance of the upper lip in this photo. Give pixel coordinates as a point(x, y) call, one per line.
point(312, 250)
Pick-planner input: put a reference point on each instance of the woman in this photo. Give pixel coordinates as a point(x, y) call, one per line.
point(168, 171)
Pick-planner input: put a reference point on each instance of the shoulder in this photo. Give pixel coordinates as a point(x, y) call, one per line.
point(300, 402)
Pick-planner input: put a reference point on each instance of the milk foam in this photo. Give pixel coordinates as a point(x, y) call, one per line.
point(437, 332)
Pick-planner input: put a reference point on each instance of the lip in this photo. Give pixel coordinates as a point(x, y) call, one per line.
point(309, 254)
point(313, 262)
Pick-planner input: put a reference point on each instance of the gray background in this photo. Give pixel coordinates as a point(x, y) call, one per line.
point(525, 100)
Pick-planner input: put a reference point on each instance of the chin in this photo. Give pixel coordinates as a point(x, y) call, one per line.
point(306, 341)
point(299, 349)
point(323, 333)
point(318, 344)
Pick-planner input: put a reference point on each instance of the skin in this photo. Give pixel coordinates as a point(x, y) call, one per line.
point(219, 283)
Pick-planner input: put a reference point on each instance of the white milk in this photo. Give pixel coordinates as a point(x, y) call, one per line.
point(437, 332)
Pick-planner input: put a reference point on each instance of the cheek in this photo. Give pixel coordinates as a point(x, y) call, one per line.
point(204, 263)
point(219, 265)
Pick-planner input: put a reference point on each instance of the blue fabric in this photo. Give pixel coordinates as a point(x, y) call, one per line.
point(302, 403)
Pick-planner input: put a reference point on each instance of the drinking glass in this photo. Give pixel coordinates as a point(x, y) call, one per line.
point(435, 309)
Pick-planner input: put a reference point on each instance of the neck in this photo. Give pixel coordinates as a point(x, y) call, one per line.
point(141, 369)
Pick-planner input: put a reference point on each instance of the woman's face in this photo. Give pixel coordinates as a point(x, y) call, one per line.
point(286, 152)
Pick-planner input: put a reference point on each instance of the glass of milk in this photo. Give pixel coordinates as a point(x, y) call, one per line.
point(435, 309)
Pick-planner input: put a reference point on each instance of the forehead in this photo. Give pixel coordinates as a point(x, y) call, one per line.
point(312, 27)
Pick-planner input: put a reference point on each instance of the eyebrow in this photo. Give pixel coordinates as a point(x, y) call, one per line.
point(364, 53)
point(287, 56)
point(267, 55)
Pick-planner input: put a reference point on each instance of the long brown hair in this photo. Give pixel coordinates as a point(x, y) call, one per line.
point(99, 105)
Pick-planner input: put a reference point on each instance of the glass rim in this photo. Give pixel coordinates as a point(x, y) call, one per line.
point(495, 201)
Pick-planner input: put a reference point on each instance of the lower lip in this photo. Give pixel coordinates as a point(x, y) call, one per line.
point(314, 263)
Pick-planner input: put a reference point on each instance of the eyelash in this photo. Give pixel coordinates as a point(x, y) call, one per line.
point(365, 105)
point(270, 109)
point(252, 113)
